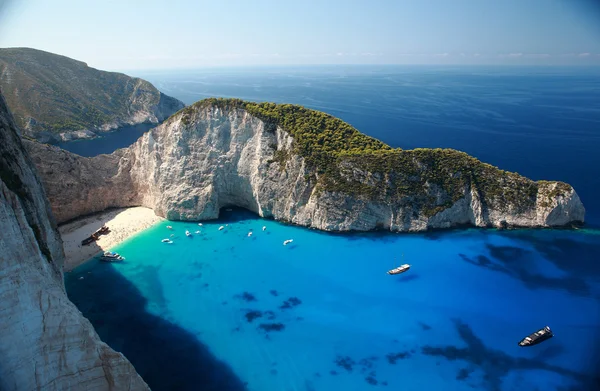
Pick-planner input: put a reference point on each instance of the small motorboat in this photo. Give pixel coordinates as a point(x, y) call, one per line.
point(166, 240)
point(264, 227)
point(537, 337)
point(188, 234)
point(221, 228)
point(109, 256)
point(169, 227)
point(200, 224)
point(197, 232)
point(249, 234)
point(400, 269)
point(286, 242)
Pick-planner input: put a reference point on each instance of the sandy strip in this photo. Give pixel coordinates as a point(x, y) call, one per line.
point(123, 223)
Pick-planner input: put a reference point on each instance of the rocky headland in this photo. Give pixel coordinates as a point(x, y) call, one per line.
point(55, 98)
point(299, 166)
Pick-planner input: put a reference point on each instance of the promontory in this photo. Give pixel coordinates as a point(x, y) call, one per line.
point(300, 166)
point(55, 98)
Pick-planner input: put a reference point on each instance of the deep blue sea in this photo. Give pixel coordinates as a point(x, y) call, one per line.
point(108, 143)
point(227, 311)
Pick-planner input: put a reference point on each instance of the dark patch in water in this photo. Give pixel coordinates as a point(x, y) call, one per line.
point(246, 296)
point(463, 374)
point(496, 364)
point(268, 327)
point(404, 278)
point(371, 380)
point(290, 303)
point(317, 374)
point(393, 357)
point(384, 383)
point(424, 326)
point(274, 292)
point(273, 371)
point(333, 373)
point(270, 315)
point(224, 303)
point(518, 263)
point(345, 362)
point(165, 355)
point(251, 315)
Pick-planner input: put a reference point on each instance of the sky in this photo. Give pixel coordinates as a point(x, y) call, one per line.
point(154, 34)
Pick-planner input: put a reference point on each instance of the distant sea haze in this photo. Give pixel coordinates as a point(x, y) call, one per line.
point(542, 122)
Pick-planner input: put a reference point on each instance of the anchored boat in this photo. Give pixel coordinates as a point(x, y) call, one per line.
point(537, 337)
point(109, 256)
point(400, 269)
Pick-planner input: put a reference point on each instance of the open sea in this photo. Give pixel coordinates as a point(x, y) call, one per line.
point(226, 311)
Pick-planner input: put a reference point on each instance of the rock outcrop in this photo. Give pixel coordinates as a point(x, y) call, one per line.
point(55, 98)
point(300, 166)
point(45, 342)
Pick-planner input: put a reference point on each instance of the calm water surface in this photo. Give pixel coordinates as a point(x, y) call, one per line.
point(225, 311)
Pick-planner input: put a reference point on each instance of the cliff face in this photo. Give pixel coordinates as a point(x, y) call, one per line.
point(45, 342)
point(57, 98)
point(222, 153)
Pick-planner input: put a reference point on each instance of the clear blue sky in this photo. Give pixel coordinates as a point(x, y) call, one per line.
point(152, 34)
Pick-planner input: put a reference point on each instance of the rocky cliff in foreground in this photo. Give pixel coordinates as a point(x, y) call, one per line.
point(55, 98)
point(45, 342)
point(300, 166)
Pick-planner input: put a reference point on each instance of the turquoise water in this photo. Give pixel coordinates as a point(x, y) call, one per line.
point(224, 311)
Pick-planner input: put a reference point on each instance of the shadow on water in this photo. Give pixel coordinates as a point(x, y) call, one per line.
point(496, 364)
point(165, 355)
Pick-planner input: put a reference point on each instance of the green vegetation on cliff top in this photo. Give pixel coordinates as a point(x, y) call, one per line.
point(47, 92)
point(348, 161)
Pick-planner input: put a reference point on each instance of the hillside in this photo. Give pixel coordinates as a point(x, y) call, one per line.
point(53, 97)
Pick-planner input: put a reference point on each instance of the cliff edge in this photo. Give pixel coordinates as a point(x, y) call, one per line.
point(45, 342)
point(300, 166)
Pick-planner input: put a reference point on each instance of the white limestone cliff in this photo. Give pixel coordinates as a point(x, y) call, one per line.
point(209, 157)
point(45, 342)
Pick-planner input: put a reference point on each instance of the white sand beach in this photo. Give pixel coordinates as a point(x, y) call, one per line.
point(123, 223)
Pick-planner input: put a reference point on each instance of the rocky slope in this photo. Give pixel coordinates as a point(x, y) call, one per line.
point(57, 98)
point(45, 342)
point(301, 166)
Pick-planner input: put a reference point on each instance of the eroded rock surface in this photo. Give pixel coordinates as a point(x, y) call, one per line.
point(45, 342)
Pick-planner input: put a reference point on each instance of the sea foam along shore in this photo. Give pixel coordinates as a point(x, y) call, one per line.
point(123, 223)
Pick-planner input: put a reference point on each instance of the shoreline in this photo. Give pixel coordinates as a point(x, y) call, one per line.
point(123, 223)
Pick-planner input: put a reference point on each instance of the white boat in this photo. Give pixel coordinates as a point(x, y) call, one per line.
point(221, 228)
point(188, 234)
point(169, 227)
point(264, 227)
point(286, 242)
point(200, 224)
point(165, 240)
point(197, 232)
point(249, 234)
point(400, 269)
point(109, 256)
